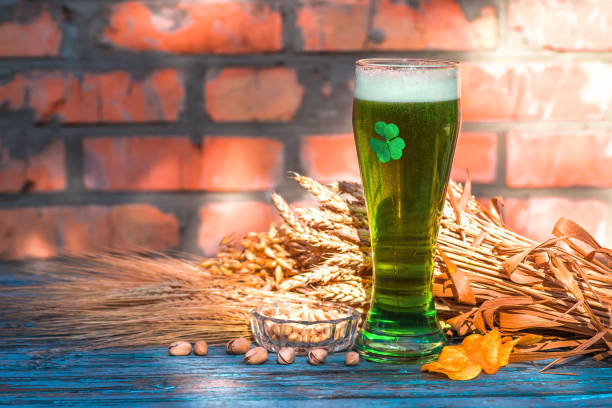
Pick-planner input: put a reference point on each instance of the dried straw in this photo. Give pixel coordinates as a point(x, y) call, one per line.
point(486, 276)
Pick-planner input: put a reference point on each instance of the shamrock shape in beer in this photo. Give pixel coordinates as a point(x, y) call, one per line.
point(393, 145)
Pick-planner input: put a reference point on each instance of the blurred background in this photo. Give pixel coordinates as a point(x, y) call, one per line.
point(166, 124)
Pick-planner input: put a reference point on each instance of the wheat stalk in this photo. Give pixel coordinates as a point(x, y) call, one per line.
point(486, 276)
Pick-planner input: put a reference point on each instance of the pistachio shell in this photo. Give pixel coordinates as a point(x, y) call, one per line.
point(238, 346)
point(200, 348)
point(179, 348)
point(257, 355)
point(286, 355)
point(317, 356)
point(351, 358)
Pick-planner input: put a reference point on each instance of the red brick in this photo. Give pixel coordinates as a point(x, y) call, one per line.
point(38, 38)
point(329, 158)
point(435, 24)
point(238, 218)
point(342, 25)
point(175, 163)
point(333, 25)
point(13, 93)
point(27, 232)
point(43, 171)
point(477, 152)
point(128, 226)
point(535, 217)
point(45, 232)
point(563, 25)
point(241, 164)
point(143, 226)
point(194, 27)
point(559, 159)
point(141, 163)
point(83, 229)
point(247, 94)
point(113, 97)
point(536, 91)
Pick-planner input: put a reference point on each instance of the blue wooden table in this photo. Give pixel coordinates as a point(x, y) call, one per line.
point(35, 376)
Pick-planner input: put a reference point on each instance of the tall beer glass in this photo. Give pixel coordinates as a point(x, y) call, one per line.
point(406, 118)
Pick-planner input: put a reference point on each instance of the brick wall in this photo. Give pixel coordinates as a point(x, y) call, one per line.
point(167, 123)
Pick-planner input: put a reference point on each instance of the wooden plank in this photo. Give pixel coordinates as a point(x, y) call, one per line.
point(34, 375)
point(148, 376)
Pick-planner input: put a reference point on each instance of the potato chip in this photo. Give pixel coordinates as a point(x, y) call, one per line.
point(505, 350)
point(454, 363)
point(471, 371)
point(453, 358)
point(472, 344)
point(529, 339)
point(475, 354)
point(433, 366)
point(488, 357)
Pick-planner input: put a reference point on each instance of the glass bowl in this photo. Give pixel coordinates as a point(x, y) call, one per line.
point(304, 326)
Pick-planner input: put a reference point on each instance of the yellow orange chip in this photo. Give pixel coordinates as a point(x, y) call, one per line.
point(433, 366)
point(454, 363)
point(489, 352)
point(453, 358)
point(469, 372)
point(472, 344)
point(475, 354)
point(471, 339)
point(505, 350)
point(529, 339)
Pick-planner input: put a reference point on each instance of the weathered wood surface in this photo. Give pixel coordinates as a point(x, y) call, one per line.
point(36, 375)
point(149, 377)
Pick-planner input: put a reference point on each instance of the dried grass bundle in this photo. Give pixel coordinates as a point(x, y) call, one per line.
point(486, 277)
point(126, 299)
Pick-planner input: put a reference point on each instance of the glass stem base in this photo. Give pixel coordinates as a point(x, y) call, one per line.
point(378, 346)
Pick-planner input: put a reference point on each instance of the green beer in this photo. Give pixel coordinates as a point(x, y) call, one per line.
point(405, 120)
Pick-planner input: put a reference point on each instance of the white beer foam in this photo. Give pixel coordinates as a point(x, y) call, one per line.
point(406, 84)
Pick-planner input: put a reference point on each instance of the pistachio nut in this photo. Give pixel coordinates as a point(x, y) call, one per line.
point(200, 348)
point(351, 358)
point(317, 356)
point(238, 346)
point(257, 355)
point(179, 348)
point(286, 355)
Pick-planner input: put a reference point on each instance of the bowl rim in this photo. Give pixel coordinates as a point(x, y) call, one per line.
point(352, 314)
